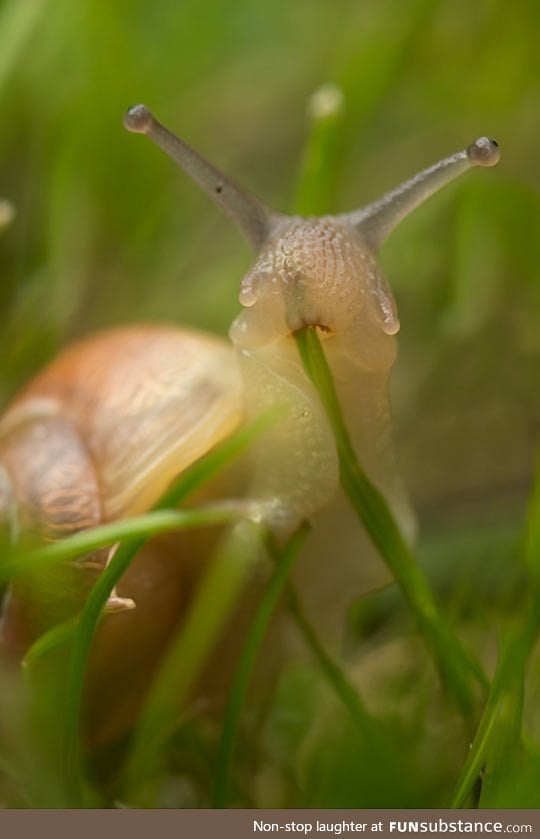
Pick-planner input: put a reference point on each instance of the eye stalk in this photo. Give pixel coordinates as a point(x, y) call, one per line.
point(257, 222)
point(248, 213)
point(377, 220)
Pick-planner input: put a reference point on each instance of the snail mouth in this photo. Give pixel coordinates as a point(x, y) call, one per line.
point(315, 324)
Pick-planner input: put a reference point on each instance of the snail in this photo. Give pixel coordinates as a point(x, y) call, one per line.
point(105, 428)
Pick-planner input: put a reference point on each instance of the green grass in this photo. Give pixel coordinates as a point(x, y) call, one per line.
point(238, 691)
point(105, 234)
point(457, 669)
point(498, 733)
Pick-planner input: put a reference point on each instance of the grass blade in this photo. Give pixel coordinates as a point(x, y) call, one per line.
point(317, 181)
point(498, 734)
point(17, 23)
point(88, 621)
point(247, 660)
point(333, 673)
point(492, 735)
point(203, 470)
point(455, 666)
point(135, 532)
point(532, 534)
point(215, 598)
point(138, 528)
point(60, 634)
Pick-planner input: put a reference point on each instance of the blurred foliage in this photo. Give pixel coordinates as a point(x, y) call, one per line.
point(106, 233)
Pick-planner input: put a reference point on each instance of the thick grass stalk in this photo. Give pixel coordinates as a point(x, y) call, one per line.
point(317, 181)
point(453, 663)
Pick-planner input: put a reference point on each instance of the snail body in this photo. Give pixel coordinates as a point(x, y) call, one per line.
point(105, 428)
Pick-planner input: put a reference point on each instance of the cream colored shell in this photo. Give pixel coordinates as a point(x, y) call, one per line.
point(139, 404)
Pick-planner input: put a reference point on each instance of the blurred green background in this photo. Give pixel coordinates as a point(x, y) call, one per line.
point(107, 232)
